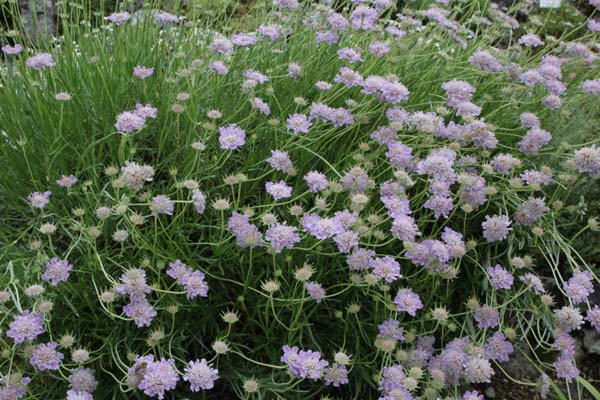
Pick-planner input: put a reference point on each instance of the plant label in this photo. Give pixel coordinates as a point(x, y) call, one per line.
point(549, 3)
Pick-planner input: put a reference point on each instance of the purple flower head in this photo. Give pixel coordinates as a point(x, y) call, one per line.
point(364, 17)
point(346, 241)
point(391, 329)
point(348, 77)
point(530, 40)
point(141, 311)
point(260, 105)
point(269, 31)
point(496, 228)
point(201, 375)
point(486, 61)
point(591, 87)
point(587, 160)
point(39, 200)
point(28, 326)
point(164, 18)
point(142, 72)
point(408, 301)
point(118, 18)
point(45, 357)
point(486, 317)
point(66, 181)
point(386, 268)
point(298, 123)
point(360, 259)
point(593, 317)
point(83, 380)
point(565, 368)
point(349, 54)
point(279, 190)
point(534, 140)
point(498, 348)
point(159, 377)
point(133, 283)
point(194, 284)
point(221, 45)
point(78, 395)
point(128, 122)
point(404, 228)
point(316, 181)
point(57, 270)
point(231, 137)
point(244, 39)
point(315, 290)
point(282, 236)
point(145, 111)
point(280, 160)
point(499, 277)
point(199, 201)
point(218, 67)
point(12, 50)
point(255, 76)
point(530, 211)
point(533, 282)
point(304, 363)
point(379, 49)
point(336, 375)
point(40, 61)
point(472, 395)
point(580, 286)
point(162, 205)
point(392, 381)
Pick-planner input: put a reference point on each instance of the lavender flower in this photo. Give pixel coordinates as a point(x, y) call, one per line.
point(315, 290)
point(40, 61)
point(530, 40)
point(534, 140)
point(386, 268)
point(408, 301)
point(498, 348)
point(580, 286)
point(83, 380)
point(28, 326)
point(201, 375)
point(282, 236)
point(530, 211)
point(587, 160)
point(39, 200)
point(45, 357)
point(486, 317)
point(231, 137)
point(304, 363)
point(279, 190)
point(159, 377)
point(316, 181)
point(118, 18)
point(298, 123)
point(128, 122)
point(336, 375)
point(57, 270)
point(500, 278)
point(162, 205)
point(141, 311)
point(142, 72)
point(12, 50)
point(66, 181)
point(593, 317)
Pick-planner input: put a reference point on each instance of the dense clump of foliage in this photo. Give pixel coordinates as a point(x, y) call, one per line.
point(341, 202)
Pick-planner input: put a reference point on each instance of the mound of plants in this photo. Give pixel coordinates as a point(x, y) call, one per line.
point(342, 201)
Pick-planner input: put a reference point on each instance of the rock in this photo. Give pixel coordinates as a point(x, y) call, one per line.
point(490, 392)
point(38, 18)
point(591, 341)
